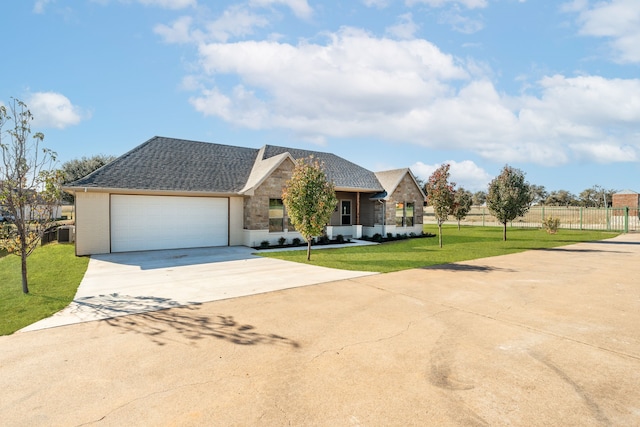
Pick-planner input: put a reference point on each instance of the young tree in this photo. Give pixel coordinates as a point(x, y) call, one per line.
point(29, 186)
point(440, 195)
point(509, 196)
point(310, 199)
point(75, 169)
point(461, 204)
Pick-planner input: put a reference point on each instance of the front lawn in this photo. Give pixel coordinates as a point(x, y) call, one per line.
point(466, 244)
point(54, 276)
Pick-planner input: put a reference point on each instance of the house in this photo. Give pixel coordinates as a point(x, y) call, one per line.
point(172, 193)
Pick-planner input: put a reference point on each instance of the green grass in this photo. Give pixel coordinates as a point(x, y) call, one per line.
point(54, 276)
point(466, 244)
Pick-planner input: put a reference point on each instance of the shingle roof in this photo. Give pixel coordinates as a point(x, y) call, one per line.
point(178, 165)
point(343, 173)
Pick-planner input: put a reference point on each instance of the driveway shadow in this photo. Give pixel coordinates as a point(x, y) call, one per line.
point(167, 258)
point(467, 268)
point(162, 326)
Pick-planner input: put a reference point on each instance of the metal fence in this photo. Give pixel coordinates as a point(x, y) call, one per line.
point(571, 217)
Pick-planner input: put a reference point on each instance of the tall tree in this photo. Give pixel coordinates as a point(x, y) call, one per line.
point(561, 198)
point(440, 194)
point(29, 186)
point(310, 199)
point(509, 196)
point(538, 194)
point(461, 204)
point(75, 169)
point(479, 198)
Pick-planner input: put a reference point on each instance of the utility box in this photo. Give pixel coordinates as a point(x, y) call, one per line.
point(66, 233)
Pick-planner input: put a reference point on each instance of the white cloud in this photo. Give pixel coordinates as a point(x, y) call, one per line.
point(461, 23)
point(404, 29)
point(236, 21)
point(40, 5)
point(617, 20)
point(169, 4)
point(356, 85)
point(465, 174)
point(300, 8)
point(178, 32)
point(54, 110)
point(470, 4)
point(380, 4)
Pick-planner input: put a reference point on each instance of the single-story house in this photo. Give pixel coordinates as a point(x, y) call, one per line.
point(171, 193)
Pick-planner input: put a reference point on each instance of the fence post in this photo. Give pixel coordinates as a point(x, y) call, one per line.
point(606, 212)
point(626, 219)
point(581, 217)
point(483, 216)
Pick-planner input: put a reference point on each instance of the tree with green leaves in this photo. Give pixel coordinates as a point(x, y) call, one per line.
point(440, 194)
point(509, 196)
point(310, 199)
point(29, 185)
point(462, 200)
point(479, 198)
point(75, 169)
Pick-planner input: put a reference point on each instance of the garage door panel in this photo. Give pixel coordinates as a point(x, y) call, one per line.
point(167, 222)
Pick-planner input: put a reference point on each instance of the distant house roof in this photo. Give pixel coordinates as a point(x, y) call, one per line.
point(627, 192)
point(168, 164)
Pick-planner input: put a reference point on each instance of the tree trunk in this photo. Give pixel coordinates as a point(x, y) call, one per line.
point(458, 225)
point(504, 231)
point(440, 234)
point(308, 249)
point(25, 286)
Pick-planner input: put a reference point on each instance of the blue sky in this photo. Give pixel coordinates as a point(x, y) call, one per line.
point(550, 87)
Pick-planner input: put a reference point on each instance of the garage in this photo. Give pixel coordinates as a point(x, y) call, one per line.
point(140, 223)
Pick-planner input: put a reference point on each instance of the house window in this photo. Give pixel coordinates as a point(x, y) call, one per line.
point(405, 213)
point(345, 212)
point(399, 214)
point(408, 214)
point(276, 215)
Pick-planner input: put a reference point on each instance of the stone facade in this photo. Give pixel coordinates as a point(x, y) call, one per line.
point(256, 207)
point(406, 192)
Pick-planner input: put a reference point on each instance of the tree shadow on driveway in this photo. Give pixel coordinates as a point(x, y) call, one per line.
point(467, 268)
point(162, 326)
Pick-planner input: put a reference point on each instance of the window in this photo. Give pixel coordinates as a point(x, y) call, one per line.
point(399, 214)
point(408, 214)
point(345, 212)
point(276, 215)
point(405, 214)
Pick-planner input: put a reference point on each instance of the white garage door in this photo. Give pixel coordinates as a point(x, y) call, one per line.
point(140, 223)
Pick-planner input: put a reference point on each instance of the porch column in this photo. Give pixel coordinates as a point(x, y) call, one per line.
point(358, 208)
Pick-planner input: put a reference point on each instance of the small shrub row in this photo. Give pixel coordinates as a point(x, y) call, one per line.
point(295, 242)
point(390, 237)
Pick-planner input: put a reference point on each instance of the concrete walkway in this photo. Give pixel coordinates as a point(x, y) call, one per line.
point(136, 282)
point(539, 338)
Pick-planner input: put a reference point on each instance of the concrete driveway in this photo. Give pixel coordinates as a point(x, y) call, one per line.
point(540, 338)
point(136, 282)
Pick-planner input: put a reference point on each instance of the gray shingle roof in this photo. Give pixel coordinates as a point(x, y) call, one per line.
point(178, 165)
point(343, 173)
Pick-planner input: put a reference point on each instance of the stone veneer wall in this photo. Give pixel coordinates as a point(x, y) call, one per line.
point(407, 191)
point(256, 207)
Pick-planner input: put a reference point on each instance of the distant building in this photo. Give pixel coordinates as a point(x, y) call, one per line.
point(627, 199)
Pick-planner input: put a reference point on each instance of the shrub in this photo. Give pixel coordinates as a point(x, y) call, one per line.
point(282, 241)
point(296, 241)
point(377, 238)
point(412, 235)
point(264, 244)
point(323, 240)
point(390, 236)
point(340, 238)
point(551, 224)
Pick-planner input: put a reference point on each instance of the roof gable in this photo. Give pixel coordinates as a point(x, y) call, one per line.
point(392, 178)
